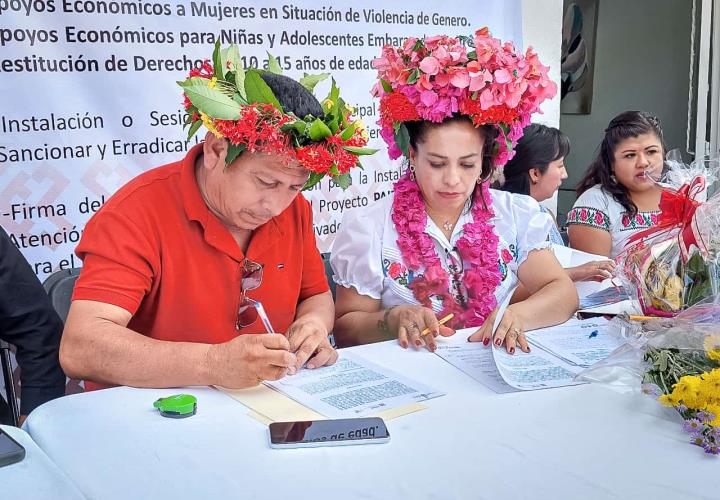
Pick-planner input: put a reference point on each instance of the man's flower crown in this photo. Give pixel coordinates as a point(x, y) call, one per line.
point(433, 78)
point(237, 104)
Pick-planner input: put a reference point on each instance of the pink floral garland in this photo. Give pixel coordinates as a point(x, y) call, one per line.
point(478, 247)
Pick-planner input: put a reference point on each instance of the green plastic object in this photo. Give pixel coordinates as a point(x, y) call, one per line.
point(177, 406)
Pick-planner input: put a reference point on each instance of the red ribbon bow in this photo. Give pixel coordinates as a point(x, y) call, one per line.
point(677, 210)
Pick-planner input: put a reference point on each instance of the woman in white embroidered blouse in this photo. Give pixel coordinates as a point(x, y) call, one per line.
point(443, 242)
point(538, 170)
point(619, 195)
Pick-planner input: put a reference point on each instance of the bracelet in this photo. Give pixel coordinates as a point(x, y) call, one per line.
point(382, 324)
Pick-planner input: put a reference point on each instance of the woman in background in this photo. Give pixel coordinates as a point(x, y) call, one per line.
point(619, 195)
point(538, 170)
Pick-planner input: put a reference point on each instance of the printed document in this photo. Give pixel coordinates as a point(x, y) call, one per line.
point(352, 387)
point(557, 355)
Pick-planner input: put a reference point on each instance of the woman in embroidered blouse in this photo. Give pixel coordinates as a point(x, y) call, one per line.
point(538, 170)
point(619, 196)
point(444, 242)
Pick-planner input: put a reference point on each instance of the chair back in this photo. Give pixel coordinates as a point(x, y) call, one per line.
point(59, 287)
point(329, 273)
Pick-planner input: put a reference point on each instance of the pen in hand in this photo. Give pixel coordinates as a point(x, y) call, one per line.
point(442, 322)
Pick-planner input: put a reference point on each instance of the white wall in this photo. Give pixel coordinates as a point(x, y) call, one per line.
point(542, 28)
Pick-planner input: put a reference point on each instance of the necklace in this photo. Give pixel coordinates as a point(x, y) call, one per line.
point(448, 226)
point(478, 247)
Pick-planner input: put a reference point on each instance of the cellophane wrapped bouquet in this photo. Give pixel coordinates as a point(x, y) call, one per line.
point(676, 360)
point(675, 264)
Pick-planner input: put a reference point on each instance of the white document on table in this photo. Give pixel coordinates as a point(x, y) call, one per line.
point(352, 387)
point(580, 343)
point(536, 369)
point(473, 358)
point(557, 355)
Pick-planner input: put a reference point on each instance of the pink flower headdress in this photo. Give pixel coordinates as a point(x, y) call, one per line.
point(433, 78)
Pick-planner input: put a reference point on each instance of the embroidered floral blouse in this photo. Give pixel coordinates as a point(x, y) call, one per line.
point(597, 208)
point(365, 254)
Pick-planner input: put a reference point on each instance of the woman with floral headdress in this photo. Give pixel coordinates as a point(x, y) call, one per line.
point(444, 242)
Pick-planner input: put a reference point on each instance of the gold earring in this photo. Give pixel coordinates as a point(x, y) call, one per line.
point(412, 171)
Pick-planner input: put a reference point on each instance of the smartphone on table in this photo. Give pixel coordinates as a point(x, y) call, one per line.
point(338, 432)
point(10, 451)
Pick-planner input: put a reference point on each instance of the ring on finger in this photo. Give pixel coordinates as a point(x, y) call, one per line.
point(414, 326)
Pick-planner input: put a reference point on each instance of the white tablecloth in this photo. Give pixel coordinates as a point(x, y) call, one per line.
point(36, 477)
point(581, 442)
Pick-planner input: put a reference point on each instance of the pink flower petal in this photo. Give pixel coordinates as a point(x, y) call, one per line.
point(430, 65)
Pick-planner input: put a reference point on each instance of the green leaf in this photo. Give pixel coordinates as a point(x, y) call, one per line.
point(414, 76)
point(194, 128)
point(195, 80)
point(472, 55)
point(386, 86)
point(418, 44)
point(298, 125)
point(231, 54)
point(402, 139)
point(318, 130)
point(310, 81)
point(258, 91)
point(274, 64)
point(239, 99)
point(348, 132)
point(312, 180)
point(213, 102)
point(360, 151)
point(240, 82)
point(334, 94)
point(217, 62)
point(234, 150)
point(344, 181)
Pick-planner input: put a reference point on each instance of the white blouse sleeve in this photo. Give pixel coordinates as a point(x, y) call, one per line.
point(591, 209)
point(356, 256)
point(537, 225)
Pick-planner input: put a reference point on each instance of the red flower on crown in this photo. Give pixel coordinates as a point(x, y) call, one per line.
point(396, 107)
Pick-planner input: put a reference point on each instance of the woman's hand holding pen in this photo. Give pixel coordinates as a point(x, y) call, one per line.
point(417, 326)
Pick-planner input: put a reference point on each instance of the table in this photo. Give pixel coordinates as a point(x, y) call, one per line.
point(35, 477)
point(586, 442)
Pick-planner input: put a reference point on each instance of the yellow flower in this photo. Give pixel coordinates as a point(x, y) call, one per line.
point(712, 347)
point(328, 103)
point(207, 121)
point(212, 82)
point(668, 400)
point(714, 409)
point(690, 392)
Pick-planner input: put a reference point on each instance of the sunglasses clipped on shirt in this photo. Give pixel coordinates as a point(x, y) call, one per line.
point(249, 310)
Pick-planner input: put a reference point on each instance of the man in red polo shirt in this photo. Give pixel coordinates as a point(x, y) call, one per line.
point(176, 253)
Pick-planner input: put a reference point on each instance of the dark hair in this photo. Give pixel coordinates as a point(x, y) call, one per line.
point(623, 126)
point(293, 97)
point(537, 148)
point(417, 131)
